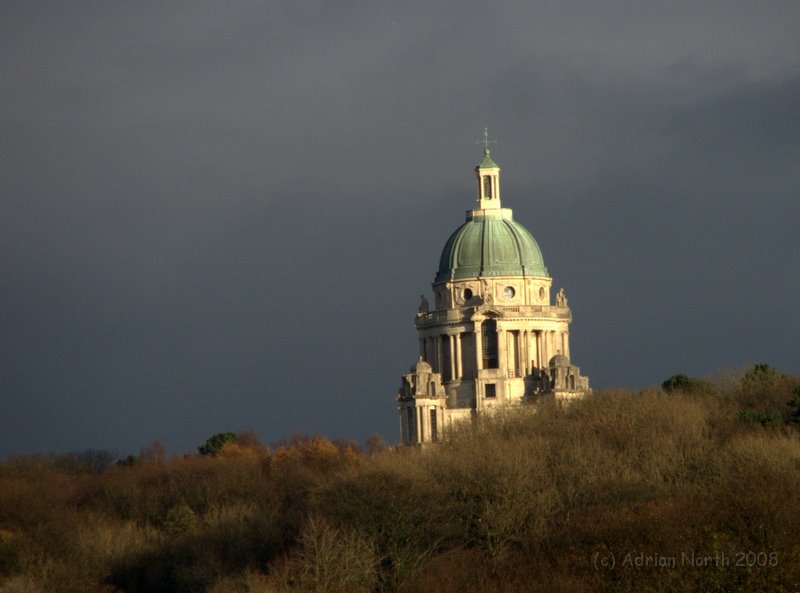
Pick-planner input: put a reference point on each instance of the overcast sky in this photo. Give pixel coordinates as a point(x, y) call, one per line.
point(220, 215)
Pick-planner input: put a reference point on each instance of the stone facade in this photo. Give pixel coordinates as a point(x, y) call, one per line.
point(494, 337)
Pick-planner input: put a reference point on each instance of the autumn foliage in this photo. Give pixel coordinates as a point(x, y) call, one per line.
point(598, 495)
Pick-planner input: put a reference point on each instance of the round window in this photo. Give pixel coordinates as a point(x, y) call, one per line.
point(467, 294)
point(509, 292)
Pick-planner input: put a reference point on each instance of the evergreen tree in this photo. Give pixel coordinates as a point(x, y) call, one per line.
point(213, 446)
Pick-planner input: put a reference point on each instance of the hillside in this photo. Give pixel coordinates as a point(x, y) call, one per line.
point(690, 487)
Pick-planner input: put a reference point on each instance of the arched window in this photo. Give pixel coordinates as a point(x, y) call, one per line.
point(487, 187)
point(489, 332)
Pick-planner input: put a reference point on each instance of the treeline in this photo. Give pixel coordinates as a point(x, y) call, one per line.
point(693, 486)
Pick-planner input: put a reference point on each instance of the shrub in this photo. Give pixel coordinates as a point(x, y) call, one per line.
point(794, 403)
point(679, 382)
point(328, 559)
point(764, 393)
point(398, 508)
point(215, 443)
point(764, 419)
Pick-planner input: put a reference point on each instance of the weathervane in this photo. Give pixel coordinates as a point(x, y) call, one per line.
point(486, 142)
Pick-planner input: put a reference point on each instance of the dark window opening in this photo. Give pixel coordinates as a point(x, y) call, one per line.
point(412, 429)
point(487, 187)
point(434, 428)
point(489, 330)
point(491, 390)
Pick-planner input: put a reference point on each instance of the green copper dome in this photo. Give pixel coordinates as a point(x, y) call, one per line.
point(490, 243)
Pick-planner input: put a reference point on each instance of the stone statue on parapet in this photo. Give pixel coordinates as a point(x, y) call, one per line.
point(423, 304)
point(561, 298)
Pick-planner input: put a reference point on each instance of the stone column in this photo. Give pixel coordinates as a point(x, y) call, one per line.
point(427, 413)
point(545, 348)
point(459, 367)
point(451, 339)
point(422, 348)
point(439, 368)
point(478, 348)
point(502, 350)
point(565, 335)
point(513, 348)
point(531, 350)
point(523, 346)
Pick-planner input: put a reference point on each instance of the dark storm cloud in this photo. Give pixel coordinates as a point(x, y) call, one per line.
point(219, 216)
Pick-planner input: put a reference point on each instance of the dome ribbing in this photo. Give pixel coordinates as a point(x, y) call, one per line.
point(490, 243)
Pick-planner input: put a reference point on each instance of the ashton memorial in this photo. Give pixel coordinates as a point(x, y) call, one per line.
point(494, 336)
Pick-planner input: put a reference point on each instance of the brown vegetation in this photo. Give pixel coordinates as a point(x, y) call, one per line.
point(601, 495)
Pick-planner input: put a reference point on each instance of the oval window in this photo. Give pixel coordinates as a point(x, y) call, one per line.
point(541, 293)
point(467, 294)
point(509, 292)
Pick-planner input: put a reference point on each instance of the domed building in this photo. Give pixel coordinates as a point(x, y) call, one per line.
point(493, 337)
